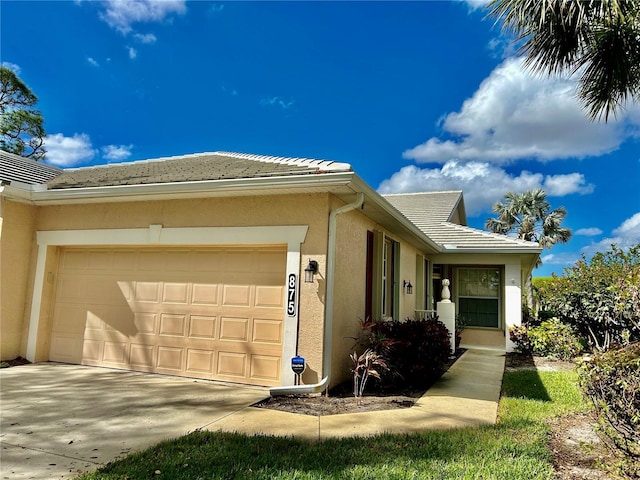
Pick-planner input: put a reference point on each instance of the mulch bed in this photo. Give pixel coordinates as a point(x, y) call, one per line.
point(16, 362)
point(341, 400)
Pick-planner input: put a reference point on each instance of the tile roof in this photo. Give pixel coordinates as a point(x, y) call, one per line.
point(431, 212)
point(426, 208)
point(192, 168)
point(14, 168)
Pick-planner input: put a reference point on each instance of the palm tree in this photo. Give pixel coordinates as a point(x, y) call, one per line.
point(530, 217)
point(597, 39)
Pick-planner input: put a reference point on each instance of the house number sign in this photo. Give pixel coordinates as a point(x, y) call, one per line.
point(291, 295)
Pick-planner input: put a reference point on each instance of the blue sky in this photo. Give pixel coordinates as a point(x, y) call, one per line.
point(416, 96)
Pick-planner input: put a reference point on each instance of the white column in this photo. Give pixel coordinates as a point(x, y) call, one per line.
point(512, 301)
point(447, 313)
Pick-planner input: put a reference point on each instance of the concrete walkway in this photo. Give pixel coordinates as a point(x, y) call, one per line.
point(57, 420)
point(466, 395)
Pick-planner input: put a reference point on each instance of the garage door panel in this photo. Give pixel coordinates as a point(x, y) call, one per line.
point(200, 362)
point(236, 295)
point(207, 261)
point(178, 261)
point(173, 325)
point(234, 329)
point(115, 319)
point(267, 331)
point(204, 294)
point(269, 297)
point(175, 293)
point(265, 367)
point(115, 353)
point(76, 260)
point(66, 347)
point(142, 355)
point(239, 261)
point(146, 292)
point(202, 326)
point(69, 319)
point(92, 350)
point(167, 311)
point(232, 364)
point(146, 323)
point(170, 358)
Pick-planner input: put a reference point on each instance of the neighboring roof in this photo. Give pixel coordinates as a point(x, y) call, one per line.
point(431, 212)
point(427, 208)
point(192, 168)
point(14, 168)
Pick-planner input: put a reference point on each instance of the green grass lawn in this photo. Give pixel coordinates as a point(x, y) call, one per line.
point(516, 448)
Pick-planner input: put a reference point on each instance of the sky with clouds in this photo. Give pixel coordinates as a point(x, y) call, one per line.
point(416, 96)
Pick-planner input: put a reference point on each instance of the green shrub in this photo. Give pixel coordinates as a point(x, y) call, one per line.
point(554, 339)
point(611, 380)
point(416, 350)
point(600, 297)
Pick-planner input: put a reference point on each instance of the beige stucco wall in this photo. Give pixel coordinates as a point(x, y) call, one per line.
point(407, 273)
point(350, 293)
point(17, 221)
point(311, 210)
point(350, 289)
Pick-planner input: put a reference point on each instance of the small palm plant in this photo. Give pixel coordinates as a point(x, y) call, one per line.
point(369, 364)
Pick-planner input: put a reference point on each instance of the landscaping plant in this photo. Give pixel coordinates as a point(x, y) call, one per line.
point(600, 297)
point(554, 339)
point(611, 380)
point(418, 349)
point(369, 364)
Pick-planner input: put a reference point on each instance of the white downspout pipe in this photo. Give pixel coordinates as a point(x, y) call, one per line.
point(328, 309)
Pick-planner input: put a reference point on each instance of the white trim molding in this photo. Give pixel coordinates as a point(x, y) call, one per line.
point(293, 236)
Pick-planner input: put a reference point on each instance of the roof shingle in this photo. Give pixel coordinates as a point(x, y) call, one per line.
point(192, 168)
point(14, 168)
point(432, 213)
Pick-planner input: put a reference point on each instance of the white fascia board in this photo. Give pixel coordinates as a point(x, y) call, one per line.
point(524, 250)
point(18, 193)
point(209, 188)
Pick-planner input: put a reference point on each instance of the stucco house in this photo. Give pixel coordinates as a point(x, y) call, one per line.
point(195, 265)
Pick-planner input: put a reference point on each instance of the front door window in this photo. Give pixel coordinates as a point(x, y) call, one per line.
point(478, 291)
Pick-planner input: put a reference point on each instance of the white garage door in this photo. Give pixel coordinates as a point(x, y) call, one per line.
point(214, 313)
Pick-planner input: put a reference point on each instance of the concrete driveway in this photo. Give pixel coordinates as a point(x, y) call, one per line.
point(58, 420)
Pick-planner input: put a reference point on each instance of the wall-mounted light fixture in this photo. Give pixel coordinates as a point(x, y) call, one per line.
point(408, 288)
point(311, 269)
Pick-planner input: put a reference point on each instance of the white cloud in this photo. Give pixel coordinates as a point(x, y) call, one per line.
point(515, 115)
point(476, 4)
point(565, 259)
point(147, 38)
point(133, 53)
point(482, 182)
point(68, 151)
point(116, 152)
point(561, 185)
point(93, 62)
point(276, 102)
point(588, 232)
point(630, 228)
point(122, 14)
point(12, 66)
point(624, 236)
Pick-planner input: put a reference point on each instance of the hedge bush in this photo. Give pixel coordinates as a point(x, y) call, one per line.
point(554, 339)
point(611, 380)
point(416, 351)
